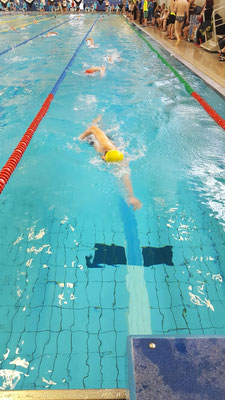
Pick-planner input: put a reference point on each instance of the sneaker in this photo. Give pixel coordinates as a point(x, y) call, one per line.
point(221, 58)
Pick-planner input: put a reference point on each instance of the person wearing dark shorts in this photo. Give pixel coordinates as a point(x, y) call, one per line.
point(171, 20)
point(221, 43)
point(182, 12)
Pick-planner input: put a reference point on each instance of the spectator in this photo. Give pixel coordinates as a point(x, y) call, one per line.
point(186, 26)
point(150, 10)
point(171, 19)
point(60, 6)
point(135, 11)
point(121, 7)
point(205, 26)
point(182, 12)
point(155, 14)
point(190, 30)
point(162, 20)
point(140, 9)
point(145, 10)
point(221, 43)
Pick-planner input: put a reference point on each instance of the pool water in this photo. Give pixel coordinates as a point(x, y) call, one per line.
point(80, 271)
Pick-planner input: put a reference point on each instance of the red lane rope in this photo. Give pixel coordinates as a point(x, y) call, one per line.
point(217, 118)
point(17, 154)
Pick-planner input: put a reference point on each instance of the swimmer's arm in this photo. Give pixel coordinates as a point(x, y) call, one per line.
point(92, 130)
point(129, 189)
point(88, 132)
point(96, 120)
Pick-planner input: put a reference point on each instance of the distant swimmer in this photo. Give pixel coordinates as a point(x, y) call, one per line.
point(51, 34)
point(110, 153)
point(90, 43)
point(13, 29)
point(92, 70)
point(112, 58)
point(34, 21)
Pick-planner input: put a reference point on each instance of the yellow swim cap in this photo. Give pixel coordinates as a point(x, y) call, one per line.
point(113, 156)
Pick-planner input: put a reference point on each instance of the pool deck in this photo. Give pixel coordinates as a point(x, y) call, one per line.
point(89, 394)
point(200, 61)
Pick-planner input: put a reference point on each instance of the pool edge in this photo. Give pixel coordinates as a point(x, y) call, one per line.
point(219, 89)
point(82, 394)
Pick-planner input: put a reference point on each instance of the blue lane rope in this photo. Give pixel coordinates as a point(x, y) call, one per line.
point(63, 74)
point(34, 37)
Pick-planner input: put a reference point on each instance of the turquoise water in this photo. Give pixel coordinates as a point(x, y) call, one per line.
point(65, 319)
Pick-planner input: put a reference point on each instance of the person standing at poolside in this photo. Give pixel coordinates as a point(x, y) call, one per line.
point(60, 6)
point(181, 10)
point(171, 20)
point(145, 10)
point(64, 6)
point(110, 153)
point(140, 9)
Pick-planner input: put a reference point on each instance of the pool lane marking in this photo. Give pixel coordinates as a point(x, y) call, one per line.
point(30, 23)
point(134, 256)
point(34, 37)
point(17, 154)
point(63, 74)
point(19, 19)
point(139, 316)
point(213, 114)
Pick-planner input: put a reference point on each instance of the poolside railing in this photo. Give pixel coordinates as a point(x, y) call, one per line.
point(212, 43)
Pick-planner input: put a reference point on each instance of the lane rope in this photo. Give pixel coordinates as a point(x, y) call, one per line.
point(213, 114)
point(30, 23)
point(19, 19)
point(34, 37)
point(17, 154)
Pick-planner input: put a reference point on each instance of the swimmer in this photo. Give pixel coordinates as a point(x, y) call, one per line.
point(34, 21)
point(51, 34)
point(110, 153)
point(13, 29)
point(90, 43)
point(96, 69)
point(114, 57)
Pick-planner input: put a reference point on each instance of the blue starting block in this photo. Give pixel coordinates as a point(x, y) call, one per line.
point(176, 368)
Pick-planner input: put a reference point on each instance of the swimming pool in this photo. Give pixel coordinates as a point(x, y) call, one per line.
point(66, 305)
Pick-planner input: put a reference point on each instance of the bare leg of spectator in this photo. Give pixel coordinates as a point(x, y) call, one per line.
point(178, 27)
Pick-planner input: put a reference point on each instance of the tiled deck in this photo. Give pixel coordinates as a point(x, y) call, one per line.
point(202, 62)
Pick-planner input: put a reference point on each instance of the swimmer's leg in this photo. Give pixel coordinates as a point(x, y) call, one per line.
point(96, 120)
point(102, 71)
